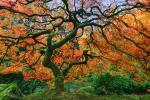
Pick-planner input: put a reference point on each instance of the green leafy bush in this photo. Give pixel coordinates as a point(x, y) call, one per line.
point(106, 84)
point(141, 88)
point(9, 78)
point(31, 86)
point(26, 87)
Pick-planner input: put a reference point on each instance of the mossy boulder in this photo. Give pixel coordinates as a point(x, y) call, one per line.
point(10, 92)
point(87, 89)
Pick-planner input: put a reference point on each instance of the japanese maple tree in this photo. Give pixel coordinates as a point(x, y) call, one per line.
point(60, 34)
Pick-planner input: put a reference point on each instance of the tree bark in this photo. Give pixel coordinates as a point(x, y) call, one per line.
point(59, 79)
point(59, 83)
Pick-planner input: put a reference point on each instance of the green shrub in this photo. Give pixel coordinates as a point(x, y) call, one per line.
point(26, 87)
point(9, 78)
point(141, 88)
point(31, 86)
point(106, 84)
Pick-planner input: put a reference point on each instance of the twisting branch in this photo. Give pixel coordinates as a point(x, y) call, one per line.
point(71, 64)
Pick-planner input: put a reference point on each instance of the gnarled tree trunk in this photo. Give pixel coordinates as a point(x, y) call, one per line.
point(59, 79)
point(59, 83)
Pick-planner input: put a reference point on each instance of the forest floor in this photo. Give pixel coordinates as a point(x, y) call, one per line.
point(82, 96)
point(8, 90)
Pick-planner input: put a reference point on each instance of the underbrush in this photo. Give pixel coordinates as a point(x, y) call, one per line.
point(93, 84)
point(26, 86)
point(105, 84)
point(53, 95)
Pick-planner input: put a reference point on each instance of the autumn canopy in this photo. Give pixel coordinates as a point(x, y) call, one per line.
point(66, 39)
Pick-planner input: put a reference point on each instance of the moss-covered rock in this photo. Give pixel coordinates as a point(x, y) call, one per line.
point(10, 92)
point(87, 89)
